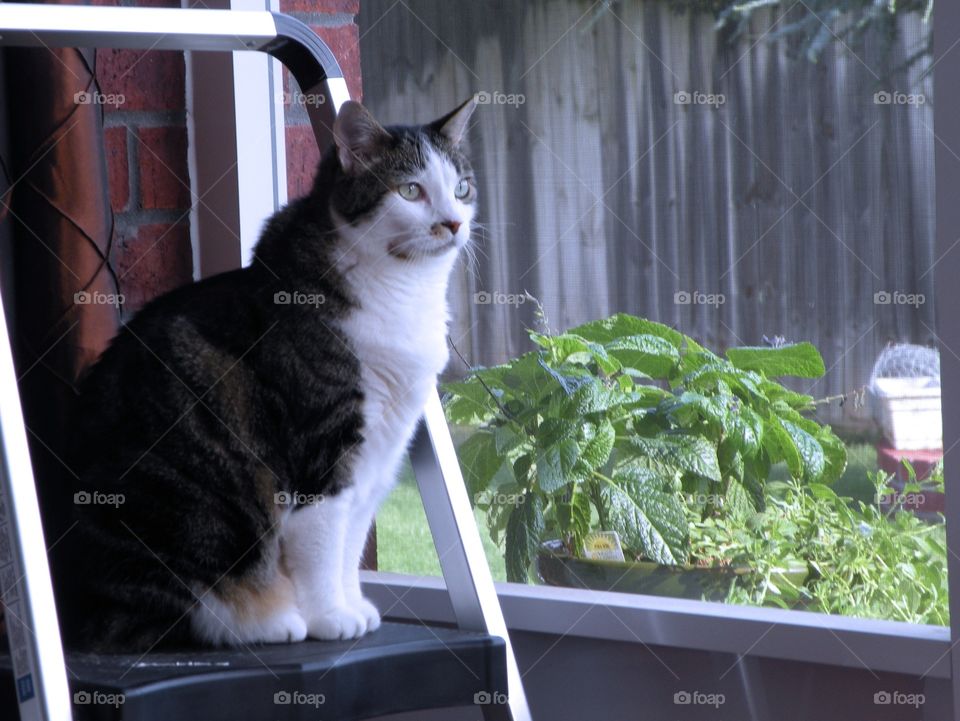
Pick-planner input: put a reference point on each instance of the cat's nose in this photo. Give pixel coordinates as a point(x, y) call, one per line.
point(452, 225)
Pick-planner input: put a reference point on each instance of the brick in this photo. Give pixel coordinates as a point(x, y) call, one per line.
point(151, 260)
point(351, 7)
point(147, 81)
point(344, 41)
point(164, 178)
point(118, 167)
point(303, 156)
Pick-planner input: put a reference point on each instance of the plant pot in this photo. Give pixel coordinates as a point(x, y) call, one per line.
point(908, 410)
point(556, 567)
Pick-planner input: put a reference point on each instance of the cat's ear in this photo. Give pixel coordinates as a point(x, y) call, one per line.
point(454, 124)
point(359, 137)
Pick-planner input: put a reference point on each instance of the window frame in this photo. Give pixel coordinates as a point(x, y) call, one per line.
point(859, 643)
point(875, 645)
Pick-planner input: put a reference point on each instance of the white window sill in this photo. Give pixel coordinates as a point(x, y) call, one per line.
point(773, 633)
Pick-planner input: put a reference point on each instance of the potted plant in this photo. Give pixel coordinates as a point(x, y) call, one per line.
point(626, 426)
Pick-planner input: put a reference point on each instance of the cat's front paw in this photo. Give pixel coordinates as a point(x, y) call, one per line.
point(285, 627)
point(369, 612)
point(337, 623)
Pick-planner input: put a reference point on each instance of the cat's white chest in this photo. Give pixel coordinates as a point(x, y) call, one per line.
point(401, 351)
point(399, 335)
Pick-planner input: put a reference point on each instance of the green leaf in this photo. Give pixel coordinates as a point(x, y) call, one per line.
point(777, 393)
point(507, 438)
point(651, 355)
point(731, 459)
point(739, 503)
point(721, 376)
point(573, 515)
point(689, 454)
point(780, 447)
point(524, 529)
point(650, 520)
point(801, 360)
point(835, 453)
point(557, 454)
point(523, 378)
point(599, 443)
point(622, 325)
point(696, 359)
point(468, 402)
point(571, 348)
point(521, 469)
point(479, 460)
point(814, 461)
point(570, 378)
point(746, 428)
point(592, 397)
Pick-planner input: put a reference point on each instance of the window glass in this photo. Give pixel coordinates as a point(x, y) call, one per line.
point(695, 334)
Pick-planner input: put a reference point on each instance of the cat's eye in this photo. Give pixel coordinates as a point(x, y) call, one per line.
point(463, 189)
point(410, 191)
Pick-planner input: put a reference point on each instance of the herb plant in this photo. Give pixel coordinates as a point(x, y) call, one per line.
point(627, 425)
point(865, 560)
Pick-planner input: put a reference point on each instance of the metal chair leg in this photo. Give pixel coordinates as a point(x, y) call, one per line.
point(32, 629)
point(464, 565)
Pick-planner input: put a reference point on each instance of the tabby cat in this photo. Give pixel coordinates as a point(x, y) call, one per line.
point(237, 436)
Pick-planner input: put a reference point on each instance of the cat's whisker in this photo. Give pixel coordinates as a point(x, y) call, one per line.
point(470, 261)
point(476, 247)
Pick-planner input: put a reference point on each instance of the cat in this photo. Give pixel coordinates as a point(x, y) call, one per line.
point(236, 438)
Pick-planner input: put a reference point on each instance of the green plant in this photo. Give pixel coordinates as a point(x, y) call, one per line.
point(625, 424)
point(866, 561)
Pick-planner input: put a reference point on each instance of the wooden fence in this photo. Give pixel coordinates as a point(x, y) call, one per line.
point(630, 158)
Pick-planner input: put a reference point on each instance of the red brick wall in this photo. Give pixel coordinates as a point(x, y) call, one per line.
point(335, 23)
point(146, 146)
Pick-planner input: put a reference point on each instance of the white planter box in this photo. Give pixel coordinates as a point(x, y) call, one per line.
point(908, 410)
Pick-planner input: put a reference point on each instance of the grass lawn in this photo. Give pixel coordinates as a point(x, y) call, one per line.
point(404, 543)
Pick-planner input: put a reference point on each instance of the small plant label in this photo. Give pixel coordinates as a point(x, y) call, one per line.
point(603, 546)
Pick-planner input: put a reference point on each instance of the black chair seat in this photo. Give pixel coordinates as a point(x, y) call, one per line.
point(401, 667)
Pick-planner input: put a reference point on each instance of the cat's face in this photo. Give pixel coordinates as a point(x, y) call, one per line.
point(407, 193)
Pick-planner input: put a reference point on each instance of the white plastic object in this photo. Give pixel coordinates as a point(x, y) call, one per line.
point(908, 411)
